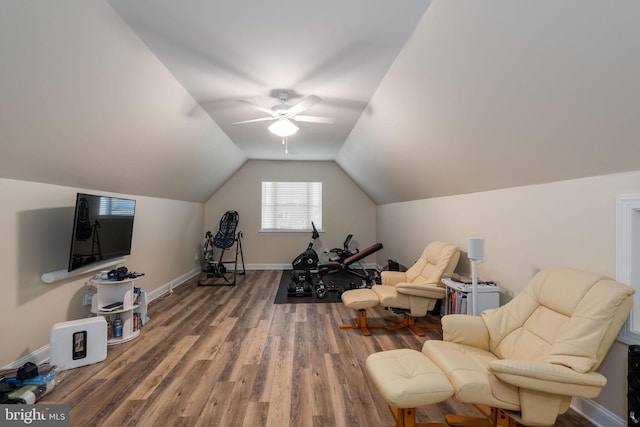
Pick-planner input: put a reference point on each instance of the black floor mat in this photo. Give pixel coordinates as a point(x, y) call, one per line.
point(341, 280)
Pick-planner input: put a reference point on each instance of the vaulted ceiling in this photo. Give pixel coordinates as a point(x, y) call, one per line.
point(430, 98)
point(251, 50)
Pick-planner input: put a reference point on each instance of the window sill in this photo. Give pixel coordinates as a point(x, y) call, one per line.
point(289, 231)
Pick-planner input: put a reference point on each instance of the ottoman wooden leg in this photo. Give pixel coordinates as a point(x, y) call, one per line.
point(361, 323)
point(495, 418)
point(406, 417)
point(409, 322)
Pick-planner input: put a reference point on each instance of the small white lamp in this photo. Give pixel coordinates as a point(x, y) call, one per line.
point(476, 254)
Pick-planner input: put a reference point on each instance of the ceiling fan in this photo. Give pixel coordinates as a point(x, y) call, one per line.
point(283, 114)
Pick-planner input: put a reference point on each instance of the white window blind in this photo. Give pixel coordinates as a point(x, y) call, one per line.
point(288, 205)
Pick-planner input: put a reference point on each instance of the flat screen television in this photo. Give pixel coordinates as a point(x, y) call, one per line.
point(102, 229)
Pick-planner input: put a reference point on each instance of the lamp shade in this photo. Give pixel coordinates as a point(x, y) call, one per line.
point(283, 127)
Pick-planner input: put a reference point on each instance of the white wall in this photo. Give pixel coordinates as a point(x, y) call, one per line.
point(346, 210)
point(569, 223)
point(35, 225)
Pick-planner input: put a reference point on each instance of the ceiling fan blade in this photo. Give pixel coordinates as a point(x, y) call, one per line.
point(304, 104)
point(253, 120)
point(314, 119)
point(258, 107)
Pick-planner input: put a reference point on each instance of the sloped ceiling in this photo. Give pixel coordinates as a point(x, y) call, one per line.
point(84, 103)
point(498, 94)
point(483, 95)
point(225, 51)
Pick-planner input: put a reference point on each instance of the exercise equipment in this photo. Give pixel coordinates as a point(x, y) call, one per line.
point(300, 284)
point(333, 267)
point(307, 264)
point(224, 239)
point(303, 266)
point(307, 260)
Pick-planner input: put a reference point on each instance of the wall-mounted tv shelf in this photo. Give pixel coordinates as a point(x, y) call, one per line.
point(118, 291)
point(55, 276)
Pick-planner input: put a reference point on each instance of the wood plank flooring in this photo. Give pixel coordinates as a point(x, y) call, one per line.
point(228, 356)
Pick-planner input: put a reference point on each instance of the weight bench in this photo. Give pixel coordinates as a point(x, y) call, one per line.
point(332, 267)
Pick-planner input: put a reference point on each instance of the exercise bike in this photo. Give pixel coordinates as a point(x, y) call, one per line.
point(304, 265)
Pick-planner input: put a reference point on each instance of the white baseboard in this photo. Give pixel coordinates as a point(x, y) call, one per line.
point(597, 414)
point(229, 266)
point(38, 357)
point(288, 266)
point(265, 266)
point(168, 287)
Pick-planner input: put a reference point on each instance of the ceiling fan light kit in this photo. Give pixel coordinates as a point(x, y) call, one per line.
point(283, 127)
point(283, 114)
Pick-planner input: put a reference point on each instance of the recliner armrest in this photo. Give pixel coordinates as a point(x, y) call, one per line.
point(465, 329)
point(424, 290)
point(548, 377)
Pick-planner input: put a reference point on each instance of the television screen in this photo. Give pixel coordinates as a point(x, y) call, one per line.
point(102, 229)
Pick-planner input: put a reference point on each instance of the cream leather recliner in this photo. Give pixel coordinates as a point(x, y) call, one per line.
point(528, 358)
point(416, 291)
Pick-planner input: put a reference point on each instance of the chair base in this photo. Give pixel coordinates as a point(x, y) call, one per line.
point(361, 323)
point(495, 418)
point(406, 417)
point(409, 321)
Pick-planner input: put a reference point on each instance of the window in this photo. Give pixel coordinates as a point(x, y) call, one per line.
point(291, 206)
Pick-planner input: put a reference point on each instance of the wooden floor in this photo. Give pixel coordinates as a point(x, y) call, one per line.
point(228, 356)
